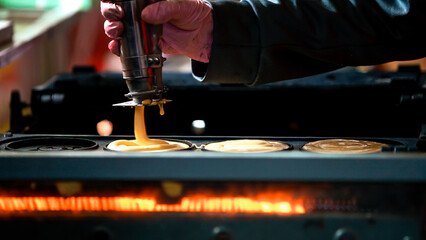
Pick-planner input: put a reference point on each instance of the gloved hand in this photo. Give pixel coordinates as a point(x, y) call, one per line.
point(187, 26)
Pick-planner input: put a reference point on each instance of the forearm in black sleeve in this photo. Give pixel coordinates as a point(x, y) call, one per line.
point(261, 41)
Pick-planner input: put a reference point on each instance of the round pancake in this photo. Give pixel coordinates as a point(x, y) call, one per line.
point(134, 146)
point(344, 146)
point(246, 146)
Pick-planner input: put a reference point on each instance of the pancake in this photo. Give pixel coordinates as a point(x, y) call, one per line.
point(246, 146)
point(143, 143)
point(134, 146)
point(344, 146)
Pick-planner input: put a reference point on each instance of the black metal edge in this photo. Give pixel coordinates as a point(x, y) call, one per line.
point(405, 167)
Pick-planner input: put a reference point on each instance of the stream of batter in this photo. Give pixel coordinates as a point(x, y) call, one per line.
point(143, 143)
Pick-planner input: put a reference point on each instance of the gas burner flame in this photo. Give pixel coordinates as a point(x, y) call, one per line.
point(198, 204)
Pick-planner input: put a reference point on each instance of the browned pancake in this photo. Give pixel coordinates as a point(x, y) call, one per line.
point(344, 146)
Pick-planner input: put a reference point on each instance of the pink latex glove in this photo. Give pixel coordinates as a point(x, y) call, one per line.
point(187, 26)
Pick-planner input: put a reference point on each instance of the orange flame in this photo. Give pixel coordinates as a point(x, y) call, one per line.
point(136, 204)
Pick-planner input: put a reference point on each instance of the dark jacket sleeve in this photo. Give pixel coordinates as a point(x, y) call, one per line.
point(261, 41)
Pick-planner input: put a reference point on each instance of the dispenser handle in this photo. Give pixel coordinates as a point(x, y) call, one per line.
point(141, 56)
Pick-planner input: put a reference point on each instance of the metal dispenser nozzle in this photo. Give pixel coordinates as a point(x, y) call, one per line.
point(141, 58)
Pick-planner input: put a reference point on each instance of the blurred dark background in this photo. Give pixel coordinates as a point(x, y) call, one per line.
point(346, 102)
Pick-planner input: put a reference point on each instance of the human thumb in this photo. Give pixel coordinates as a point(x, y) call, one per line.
point(160, 12)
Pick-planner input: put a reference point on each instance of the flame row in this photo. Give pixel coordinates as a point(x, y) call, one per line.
point(135, 204)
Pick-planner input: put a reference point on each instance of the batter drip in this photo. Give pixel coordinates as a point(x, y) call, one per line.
point(143, 143)
point(246, 146)
point(344, 146)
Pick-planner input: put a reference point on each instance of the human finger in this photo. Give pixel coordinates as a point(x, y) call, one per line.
point(111, 11)
point(113, 29)
point(114, 47)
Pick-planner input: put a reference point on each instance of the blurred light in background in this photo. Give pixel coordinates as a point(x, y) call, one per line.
point(46, 4)
point(198, 127)
point(104, 127)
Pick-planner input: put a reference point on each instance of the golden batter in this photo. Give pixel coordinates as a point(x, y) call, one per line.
point(246, 146)
point(344, 146)
point(142, 143)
